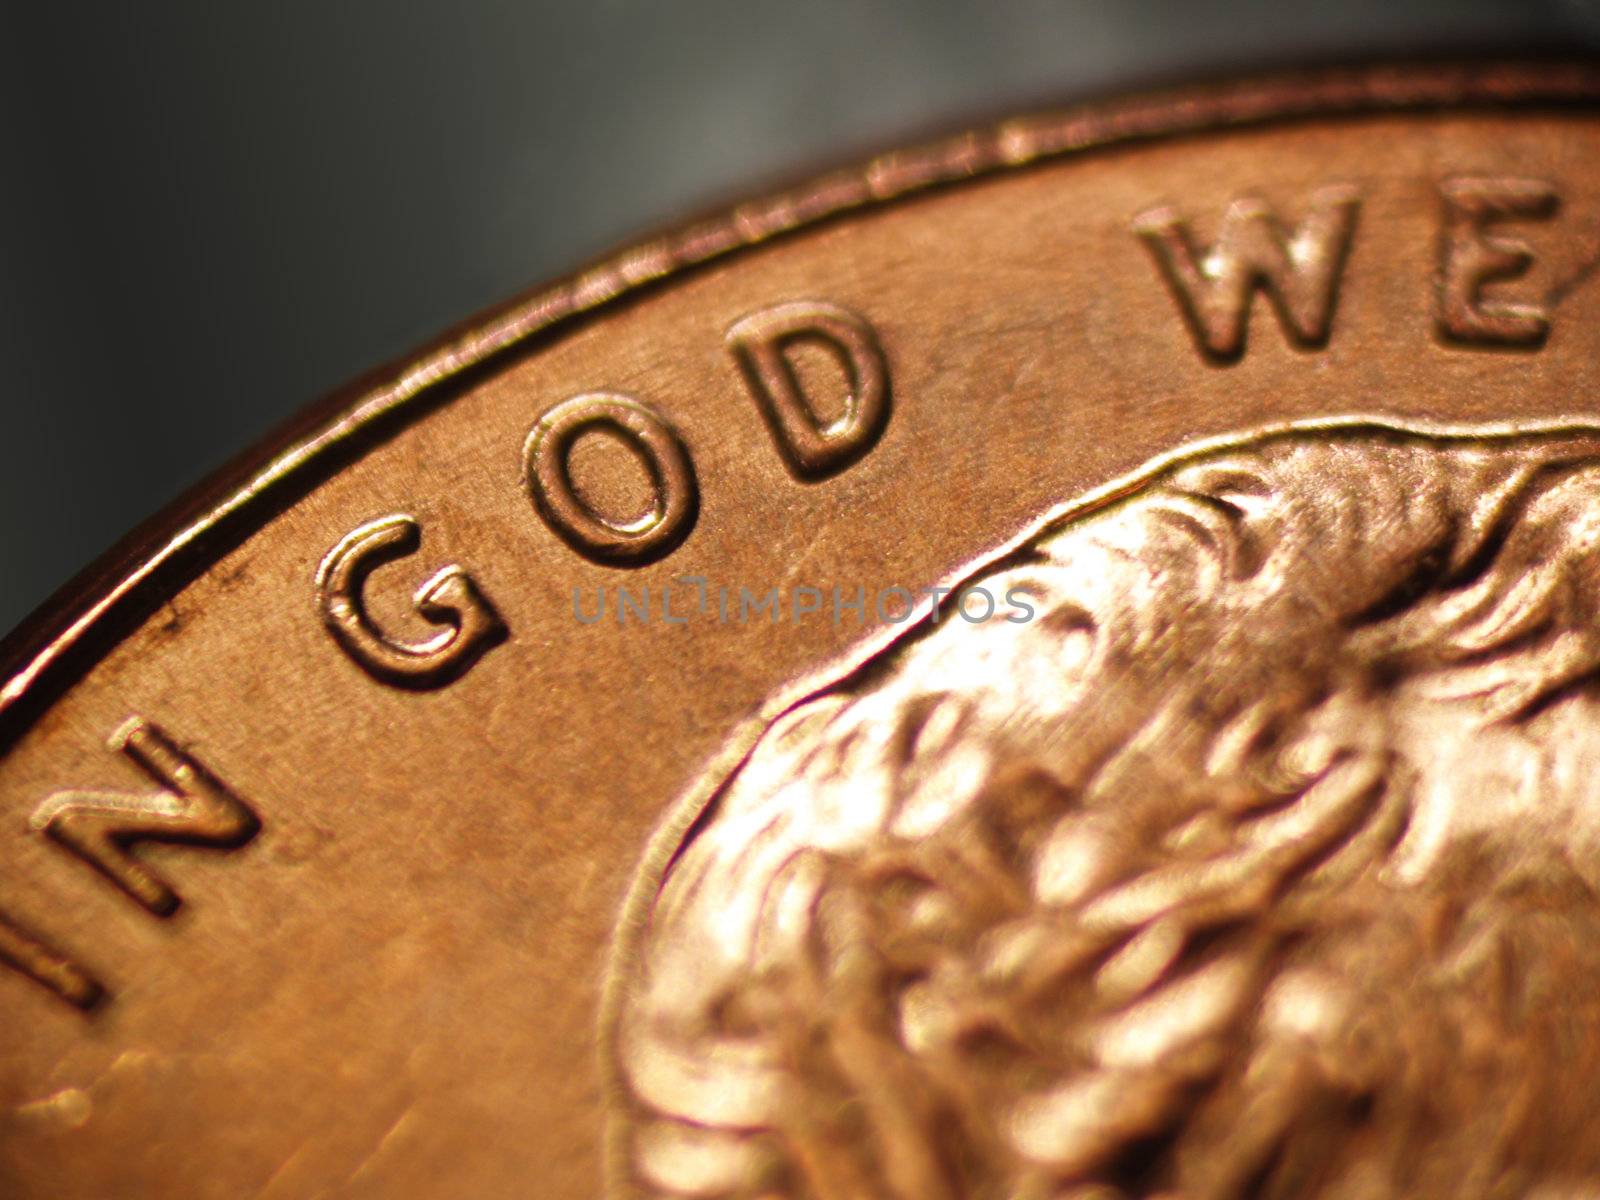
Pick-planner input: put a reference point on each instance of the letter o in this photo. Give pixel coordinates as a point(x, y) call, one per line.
point(547, 468)
point(905, 611)
point(961, 605)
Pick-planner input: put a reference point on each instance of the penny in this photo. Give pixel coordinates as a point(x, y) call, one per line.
point(1056, 664)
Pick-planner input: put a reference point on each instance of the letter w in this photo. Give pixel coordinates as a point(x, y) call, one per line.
point(1298, 271)
point(190, 807)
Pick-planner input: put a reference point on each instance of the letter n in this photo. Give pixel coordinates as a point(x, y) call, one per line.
point(1298, 270)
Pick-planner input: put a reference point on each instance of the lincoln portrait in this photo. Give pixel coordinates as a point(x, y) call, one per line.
point(1264, 861)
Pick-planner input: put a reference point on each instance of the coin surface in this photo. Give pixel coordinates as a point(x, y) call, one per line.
point(1057, 664)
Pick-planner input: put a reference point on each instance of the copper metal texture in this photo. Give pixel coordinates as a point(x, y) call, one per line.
point(1062, 664)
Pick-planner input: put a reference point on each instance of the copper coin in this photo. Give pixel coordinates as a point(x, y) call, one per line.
point(1061, 663)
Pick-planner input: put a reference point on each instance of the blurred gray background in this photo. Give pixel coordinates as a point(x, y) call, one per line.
point(213, 213)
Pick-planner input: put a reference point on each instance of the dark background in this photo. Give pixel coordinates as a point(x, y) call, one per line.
point(211, 213)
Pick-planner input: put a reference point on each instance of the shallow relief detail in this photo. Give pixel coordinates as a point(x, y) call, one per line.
point(1261, 863)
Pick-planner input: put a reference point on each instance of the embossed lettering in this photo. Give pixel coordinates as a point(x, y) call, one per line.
point(761, 344)
point(191, 806)
point(449, 598)
point(1299, 272)
point(23, 952)
point(627, 542)
point(1473, 257)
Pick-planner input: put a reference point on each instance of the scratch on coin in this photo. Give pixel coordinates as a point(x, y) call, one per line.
point(70, 1108)
point(282, 1169)
point(1575, 278)
point(389, 1136)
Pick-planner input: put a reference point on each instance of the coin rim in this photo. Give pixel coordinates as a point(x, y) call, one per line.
point(74, 629)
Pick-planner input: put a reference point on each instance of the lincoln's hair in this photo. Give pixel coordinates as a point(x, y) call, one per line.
point(1262, 861)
